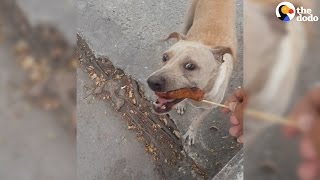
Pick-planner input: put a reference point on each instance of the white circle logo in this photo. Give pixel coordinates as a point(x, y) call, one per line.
point(285, 11)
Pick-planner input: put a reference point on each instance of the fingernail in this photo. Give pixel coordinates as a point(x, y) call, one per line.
point(240, 139)
point(305, 122)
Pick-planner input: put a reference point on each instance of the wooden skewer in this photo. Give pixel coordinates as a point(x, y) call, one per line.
point(217, 104)
point(271, 118)
point(261, 116)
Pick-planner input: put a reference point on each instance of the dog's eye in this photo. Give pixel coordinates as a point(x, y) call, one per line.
point(165, 58)
point(190, 66)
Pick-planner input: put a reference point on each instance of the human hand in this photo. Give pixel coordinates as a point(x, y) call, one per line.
point(237, 101)
point(307, 115)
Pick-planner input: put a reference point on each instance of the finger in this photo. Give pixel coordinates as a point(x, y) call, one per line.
point(225, 110)
point(242, 96)
point(230, 99)
point(307, 149)
point(240, 139)
point(234, 97)
point(300, 111)
point(233, 106)
point(308, 171)
point(289, 131)
point(239, 94)
point(227, 102)
point(233, 120)
point(314, 96)
point(235, 131)
point(304, 121)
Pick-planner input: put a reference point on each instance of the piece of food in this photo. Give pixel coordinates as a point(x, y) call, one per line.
point(190, 93)
point(167, 100)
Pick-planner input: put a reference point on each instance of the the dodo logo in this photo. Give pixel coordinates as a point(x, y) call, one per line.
point(285, 11)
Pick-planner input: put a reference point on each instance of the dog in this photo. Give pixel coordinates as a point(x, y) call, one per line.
point(203, 57)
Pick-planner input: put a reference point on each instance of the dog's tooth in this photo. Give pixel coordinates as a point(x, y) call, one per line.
point(163, 107)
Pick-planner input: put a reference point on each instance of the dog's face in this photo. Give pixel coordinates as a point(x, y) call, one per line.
point(186, 64)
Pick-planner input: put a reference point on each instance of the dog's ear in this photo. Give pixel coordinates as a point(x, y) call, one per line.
point(219, 51)
point(176, 35)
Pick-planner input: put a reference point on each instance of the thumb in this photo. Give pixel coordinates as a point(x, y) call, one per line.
point(233, 106)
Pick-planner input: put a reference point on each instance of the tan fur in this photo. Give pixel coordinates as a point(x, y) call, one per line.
point(213, 23)
point(189, 16)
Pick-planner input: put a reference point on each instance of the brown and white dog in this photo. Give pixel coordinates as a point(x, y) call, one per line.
point(203, 57)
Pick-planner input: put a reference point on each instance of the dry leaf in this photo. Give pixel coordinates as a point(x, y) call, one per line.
point(177, 133)
point(131, 127)
point(93, 76)
point(134, 101)
point(27, 62)
point(21, 48)
point(130, 94)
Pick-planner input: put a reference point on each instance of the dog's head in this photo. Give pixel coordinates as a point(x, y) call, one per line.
point(186, 64)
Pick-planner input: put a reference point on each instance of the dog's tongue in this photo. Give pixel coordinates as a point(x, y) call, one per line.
point(161, 102)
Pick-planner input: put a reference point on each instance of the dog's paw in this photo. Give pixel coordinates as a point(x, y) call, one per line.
point(181, 107)
point(189, 137)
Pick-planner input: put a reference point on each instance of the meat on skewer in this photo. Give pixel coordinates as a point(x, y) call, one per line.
point(190, 93)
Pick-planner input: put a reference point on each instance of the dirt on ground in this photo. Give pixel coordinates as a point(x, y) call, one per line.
point(47, 59)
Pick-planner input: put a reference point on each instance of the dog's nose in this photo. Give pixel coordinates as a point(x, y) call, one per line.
point(157, 83)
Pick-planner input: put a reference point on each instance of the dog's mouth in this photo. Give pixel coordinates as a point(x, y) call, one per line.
point(163, 105)
point(166, 100)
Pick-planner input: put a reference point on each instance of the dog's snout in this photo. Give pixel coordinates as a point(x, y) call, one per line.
point(157, 83)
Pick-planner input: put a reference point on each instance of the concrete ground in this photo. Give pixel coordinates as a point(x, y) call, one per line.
point(106, 148)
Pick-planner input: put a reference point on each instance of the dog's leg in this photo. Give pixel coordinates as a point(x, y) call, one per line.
point(181, 107)
point(189, 17)
point(189, 136)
